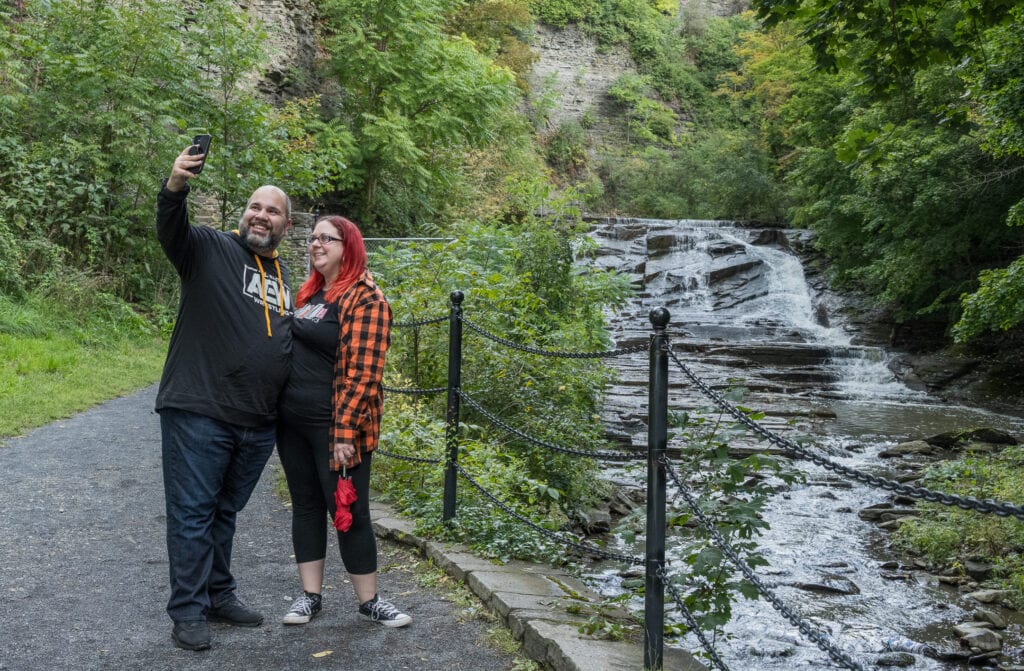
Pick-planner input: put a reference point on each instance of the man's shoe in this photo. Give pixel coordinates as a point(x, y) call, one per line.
point(235, 612)
point(191, 635)
point(382, 611)
point(305, 608)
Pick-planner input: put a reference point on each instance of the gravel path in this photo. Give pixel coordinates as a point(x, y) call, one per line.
point(83, 569)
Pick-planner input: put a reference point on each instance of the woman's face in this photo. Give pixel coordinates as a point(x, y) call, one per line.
point(326, 256)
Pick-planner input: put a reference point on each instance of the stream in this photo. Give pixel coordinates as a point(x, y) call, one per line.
point(743, 312)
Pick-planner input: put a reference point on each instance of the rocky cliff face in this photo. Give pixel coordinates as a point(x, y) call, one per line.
point(292, 49)
point(571, 67)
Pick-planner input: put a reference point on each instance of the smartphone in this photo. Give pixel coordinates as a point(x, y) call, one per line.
point(200, 145)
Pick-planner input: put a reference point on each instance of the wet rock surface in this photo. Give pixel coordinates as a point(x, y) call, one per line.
point(743, 313)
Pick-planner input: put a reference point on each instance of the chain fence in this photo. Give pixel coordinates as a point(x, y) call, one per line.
point(820, 638)
point(988, 506)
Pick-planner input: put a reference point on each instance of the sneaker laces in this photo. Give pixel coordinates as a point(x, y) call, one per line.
point(383, 610)
point(303, 605)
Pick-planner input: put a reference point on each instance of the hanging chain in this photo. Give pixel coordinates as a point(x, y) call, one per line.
point(565, 355)
point(998, 508)
point(816, 636)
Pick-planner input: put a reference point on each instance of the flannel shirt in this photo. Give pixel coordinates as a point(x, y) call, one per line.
point(365, 335)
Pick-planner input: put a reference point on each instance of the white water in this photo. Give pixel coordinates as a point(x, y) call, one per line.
point(812, 526)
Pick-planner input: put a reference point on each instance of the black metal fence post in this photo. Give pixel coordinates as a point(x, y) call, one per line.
point(452, 416)
point(657, 442)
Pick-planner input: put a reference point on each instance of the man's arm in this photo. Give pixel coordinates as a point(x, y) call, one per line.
point(172, 227)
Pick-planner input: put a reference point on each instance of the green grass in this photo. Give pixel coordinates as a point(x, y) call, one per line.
point(55, 362)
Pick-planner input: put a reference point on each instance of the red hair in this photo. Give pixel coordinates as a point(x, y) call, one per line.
point(353, 263)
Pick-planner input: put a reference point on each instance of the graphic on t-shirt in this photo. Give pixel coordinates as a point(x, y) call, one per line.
point(311, 312)
point(251, 287)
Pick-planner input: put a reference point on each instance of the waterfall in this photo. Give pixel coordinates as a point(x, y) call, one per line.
point(741, 295)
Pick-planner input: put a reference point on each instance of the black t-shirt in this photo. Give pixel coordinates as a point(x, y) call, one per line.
point(315, 331)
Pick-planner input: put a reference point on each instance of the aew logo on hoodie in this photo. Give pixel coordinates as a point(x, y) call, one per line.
point(278, 297)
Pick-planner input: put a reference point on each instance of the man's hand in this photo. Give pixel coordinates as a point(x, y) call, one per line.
point(180, 172)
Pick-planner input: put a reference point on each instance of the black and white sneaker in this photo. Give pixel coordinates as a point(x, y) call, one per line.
point(305, 608)
point(384, 612)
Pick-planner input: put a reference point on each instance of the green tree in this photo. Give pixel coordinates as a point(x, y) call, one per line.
point(96, 98)
point(417, 101)
point(881, 145)
point(500, 30)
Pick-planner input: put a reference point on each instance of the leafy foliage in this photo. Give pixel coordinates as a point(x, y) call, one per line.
point(948, 536)
point(416, 100)
point(879, 157)
point(97, 98)
point(521, 284)
point(500, 29)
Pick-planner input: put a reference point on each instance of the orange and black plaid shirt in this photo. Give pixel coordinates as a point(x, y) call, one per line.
point(365, 335)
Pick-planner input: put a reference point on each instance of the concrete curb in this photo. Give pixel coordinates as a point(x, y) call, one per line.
point(533, 601)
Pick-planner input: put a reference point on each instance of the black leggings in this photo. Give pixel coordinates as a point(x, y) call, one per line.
point(303, 448)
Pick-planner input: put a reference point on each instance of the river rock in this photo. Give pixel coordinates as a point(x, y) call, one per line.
point(770, 647)
point(957, 439)
point(896, 659)
point(978, 570)
point(595, 521)
point(989, 595)
point(981, 640)
point(903, 449)
point(873, 512)
point(992, 617)
point(897, 514)
point(830, 583)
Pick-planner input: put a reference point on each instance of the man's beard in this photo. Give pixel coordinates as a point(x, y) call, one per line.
point(262, 244)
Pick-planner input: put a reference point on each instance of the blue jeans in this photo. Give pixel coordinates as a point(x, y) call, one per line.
point(210, 470)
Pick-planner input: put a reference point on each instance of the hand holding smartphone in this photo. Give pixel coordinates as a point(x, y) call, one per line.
point(200, 145)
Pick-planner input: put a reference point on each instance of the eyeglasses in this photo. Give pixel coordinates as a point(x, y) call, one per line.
point(323, 239)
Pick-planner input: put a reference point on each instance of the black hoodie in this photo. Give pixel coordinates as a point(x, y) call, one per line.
point(229, 353)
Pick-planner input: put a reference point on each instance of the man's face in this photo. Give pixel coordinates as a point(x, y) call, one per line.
point(265, 220)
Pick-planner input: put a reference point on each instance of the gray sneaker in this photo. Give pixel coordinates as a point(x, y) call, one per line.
point(382, 611)
point(305, 608)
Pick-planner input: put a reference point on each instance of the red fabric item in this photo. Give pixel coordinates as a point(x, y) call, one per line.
point(344, 496)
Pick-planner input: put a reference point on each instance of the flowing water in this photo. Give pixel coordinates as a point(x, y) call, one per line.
point(743, 312)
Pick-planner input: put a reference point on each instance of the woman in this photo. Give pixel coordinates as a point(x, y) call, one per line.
point(330, 412)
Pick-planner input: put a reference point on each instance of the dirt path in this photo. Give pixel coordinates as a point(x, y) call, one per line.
point(84, 569)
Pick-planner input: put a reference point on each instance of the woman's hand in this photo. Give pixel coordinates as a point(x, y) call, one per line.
point(343, 452)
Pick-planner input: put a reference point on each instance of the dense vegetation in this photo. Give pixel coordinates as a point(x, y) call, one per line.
point(896, 134)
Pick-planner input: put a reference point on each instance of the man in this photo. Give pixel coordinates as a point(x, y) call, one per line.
point(227, 361)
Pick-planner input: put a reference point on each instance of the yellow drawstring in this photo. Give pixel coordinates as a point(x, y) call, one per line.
point(263, 292)
point(263, 287)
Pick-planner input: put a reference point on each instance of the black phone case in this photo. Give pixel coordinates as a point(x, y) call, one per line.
point(200, 145)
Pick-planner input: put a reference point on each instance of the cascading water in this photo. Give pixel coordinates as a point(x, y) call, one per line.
point(742, 313)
